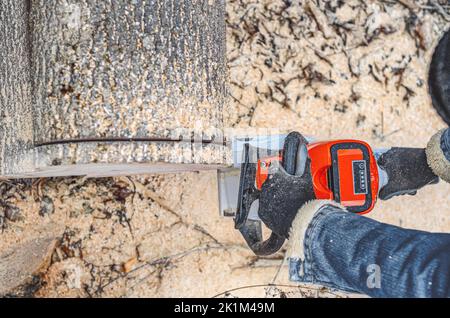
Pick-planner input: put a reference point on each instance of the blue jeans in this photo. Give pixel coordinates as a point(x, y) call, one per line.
point(445, 143)
point(357, 254)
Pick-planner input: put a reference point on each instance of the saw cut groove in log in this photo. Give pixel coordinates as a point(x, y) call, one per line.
point(119, 78)
point(149, 139)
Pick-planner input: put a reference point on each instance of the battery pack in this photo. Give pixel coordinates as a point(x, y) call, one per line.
point(345, 171)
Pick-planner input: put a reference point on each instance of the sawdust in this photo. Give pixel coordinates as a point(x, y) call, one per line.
point(343, 69)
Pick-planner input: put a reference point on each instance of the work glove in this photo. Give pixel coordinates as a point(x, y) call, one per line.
point(409, 169)
point(283, 193)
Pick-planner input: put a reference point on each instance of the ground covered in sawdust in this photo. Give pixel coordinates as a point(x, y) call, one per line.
point(337, 69)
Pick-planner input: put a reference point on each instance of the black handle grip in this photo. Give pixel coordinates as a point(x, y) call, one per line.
point(291, 147)
point(251, 229)
point(252, 233)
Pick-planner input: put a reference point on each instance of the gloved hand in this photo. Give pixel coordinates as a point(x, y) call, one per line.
point(283, 194)
point(407, 170)
point(410, 169)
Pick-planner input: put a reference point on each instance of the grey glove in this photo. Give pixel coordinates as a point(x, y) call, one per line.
point(410, 169)
point(283, 194)
point(407, 171)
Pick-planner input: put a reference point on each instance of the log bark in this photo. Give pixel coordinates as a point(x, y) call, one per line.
point(118, 83)
point(16, 131)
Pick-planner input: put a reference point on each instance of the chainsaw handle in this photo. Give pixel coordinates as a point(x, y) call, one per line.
point(252, 233)
point(291, 147)
point(251, 230)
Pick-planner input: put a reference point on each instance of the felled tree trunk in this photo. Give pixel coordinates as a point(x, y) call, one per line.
point(16, 130)
point(123, 87)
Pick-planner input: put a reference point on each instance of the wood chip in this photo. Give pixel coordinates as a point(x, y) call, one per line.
point(425, 33)
point(409, 4)
point(129, 265)
point(321, 19)
point(19, 264)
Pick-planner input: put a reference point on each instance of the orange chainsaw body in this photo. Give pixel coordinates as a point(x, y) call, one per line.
point(342, 170)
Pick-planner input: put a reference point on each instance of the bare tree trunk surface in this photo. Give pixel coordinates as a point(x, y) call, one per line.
point(16, 131)
point(119, 83)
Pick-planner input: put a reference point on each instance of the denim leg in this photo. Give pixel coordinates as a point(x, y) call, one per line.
point(354, 253)
point(445, 143)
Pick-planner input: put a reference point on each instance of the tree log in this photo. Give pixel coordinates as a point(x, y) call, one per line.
point(16, 130)
point(118, 87)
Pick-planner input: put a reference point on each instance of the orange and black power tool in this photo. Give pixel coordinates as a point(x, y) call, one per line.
point(345, 171)
point(342, 170)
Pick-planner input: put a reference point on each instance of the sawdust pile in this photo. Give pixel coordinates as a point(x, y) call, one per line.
point(333, 69)
point(353, 68)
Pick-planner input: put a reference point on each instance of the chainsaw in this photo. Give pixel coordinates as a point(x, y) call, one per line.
point(346, 171)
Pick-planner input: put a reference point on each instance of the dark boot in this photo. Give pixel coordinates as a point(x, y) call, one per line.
point(439, 78)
